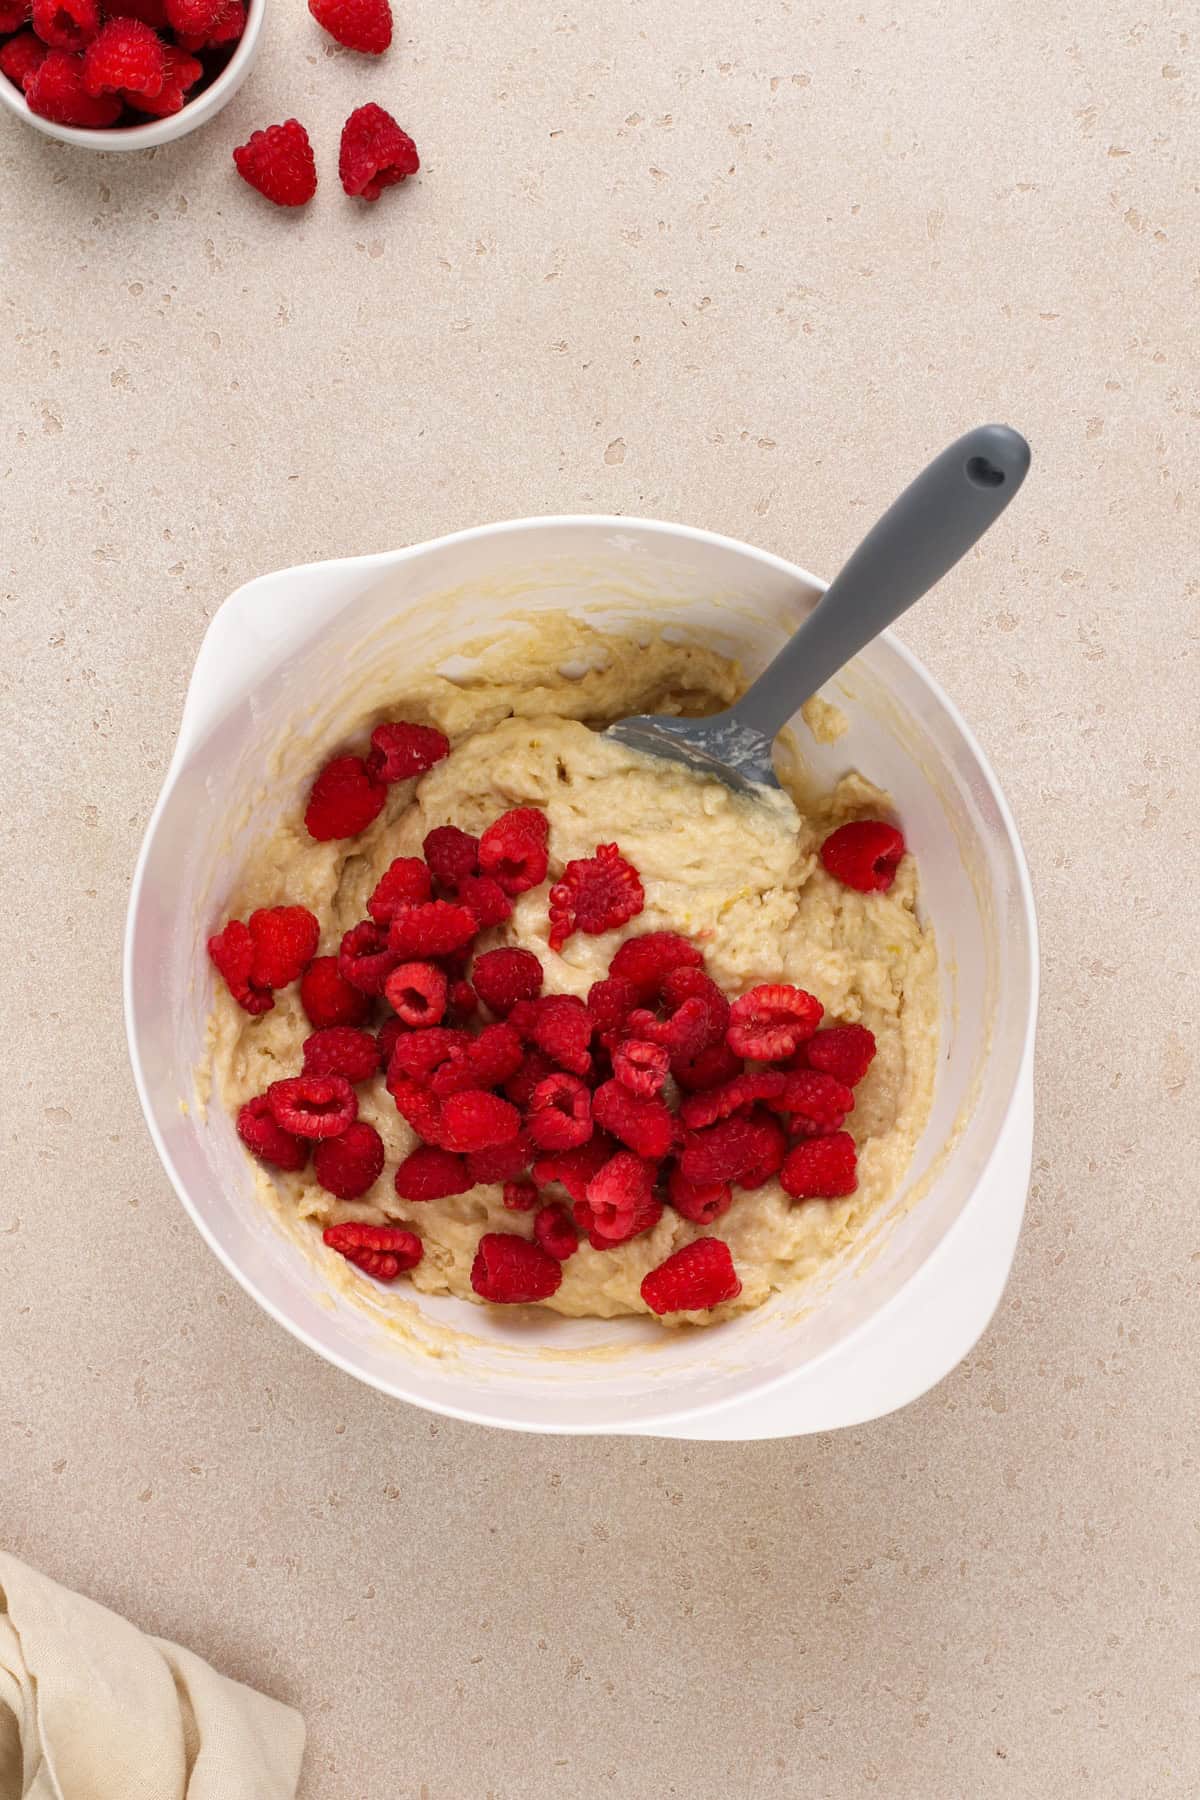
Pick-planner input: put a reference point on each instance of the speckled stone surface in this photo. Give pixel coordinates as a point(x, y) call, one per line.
point(747, 272)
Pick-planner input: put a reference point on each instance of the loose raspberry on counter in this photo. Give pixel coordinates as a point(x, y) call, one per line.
point(451, 854)
point(375, 153)
point(66, 24)
point(232, 952)
point(513, 849)
point(416, 1104)
point(610, 1003)
point(843, 1051)
point(418, 1055)
point(125, 55)
point(486, 899)
point(500, 1163)
point(279, 163)
point(559, 1024)
point(736, 1096)
point(405, 882)
point(520, 1196)
point(699, 1276)
point(821, 1168)
point(342, 1050)
point(560, 1113)
point(864, 855)
point(314, 1106)
point(640, 1066)
point(262, 1133)
point(710, 1069)
point(510, 1271)
point(328, 998)
point(429, 1173)
point(348, 1165)
point(285, 941)
point(642, 1121)
point(476, 1121)
point(364, 25)
point(401, 751)
point(646, 961)
point(21, 57)
point(384, 1251)
point(365, 958)
point(728, 1150)
point(502, 977)
point(817, 1103)
point(434, 928)
point(417, 992)
point(554, 1231)
point(772, 1021)
point(594, 894)
point(575, 1168)
point(701, 1204)
point(180, 72)
point(55, 91)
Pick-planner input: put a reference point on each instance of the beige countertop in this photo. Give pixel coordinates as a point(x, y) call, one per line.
point(746, 272)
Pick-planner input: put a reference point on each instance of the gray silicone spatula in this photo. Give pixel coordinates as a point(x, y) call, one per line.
point(923, 534)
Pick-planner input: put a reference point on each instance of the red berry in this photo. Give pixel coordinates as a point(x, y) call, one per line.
point(405, 882)
point(513, 849)
point(640, 1120)
point(520, 1196)
point(13, 14)
point(227, 28)
point(124, 55)
point(594, 894)
point(683, 1030)
point(728, 1150)
point(509, 1270)
point(434, 928)
point(279, 163)
point(342, 1050)
point(193, 18)
point(700, 1203)
point(180, 72)
point(610, 1003)
point(375, 153)
point(710, 1069)
point(818, 1103)
point(21, 56)
point(463, 1001)
point(350, 1164)
point(771, 1149)
point(735, 1096)
point(475, 1121)
point(66, 24)
point(554, 1231)
point(416, 1104)
point(418, 1055)
point(699, 1276)
point(502, 977)
point(560, 1113)
point(640, 1066)
point(390, 1033)
point(864, 855)
point(55, 91)
point(417, 992)
point(343, 799)
point(617, 1194)
point(694, 984)
point(770, 1022)
point(821, 1168)
point(261, 1132)
point(575, 1168)
point(232, 952)
point(430, 1173)
point(401, 751)
point(314, 1106)
point(489, 1061)
point(451, 854)
point(359, 24)
point(844, 1051)
point(520, 1085)
point(328, 998)
point(365, 959)
point(384, 1251)
point(559, 1024)
point(499, 1163)
point(285, 941)
point(486, 899)
point(646, 961)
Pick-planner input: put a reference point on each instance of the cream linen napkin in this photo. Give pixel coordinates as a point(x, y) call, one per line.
point(91, 1709)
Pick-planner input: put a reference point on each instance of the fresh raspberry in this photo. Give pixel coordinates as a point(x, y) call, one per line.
point(342, 1050)
point(434, 928)
point(416, 1104)
point(180, 72)
point(735, 1096)
point(843, 1051)
point(694, 984)
point(232, 952)
point(14, 14)
point(150, 12)
point(559, 1024)
point(616, 1194)
point(463, 1002)
point(417, 992)
point(384, 1251)
point(279, 163)
point(365, 959)
point(864, 855)
point(21, 56)
point(405, 882)
point(682, 1030)
point(401, 751)
point(594, 894)
point(314, 1106)
point(502, 977)
point(701, 1204)
point(699, 1276)
point(610, 1003)
point(55, 92)
point(451, 854)
point(817, 1103)
point(640, 1120)
point(66, 24)
point(560, 1113)
point(644, 1219)
point(647, 960)
point(822, 1168)
point(500, 1163)
point(348, 1165)
point(519, 1086)
point(343, 799)
point(509, 1270)
point(575, 1168)
point(328, 998)
point(227, 28)
point(429, 1173)
point(727, 1150)
point(359, 24)
point(770, 1022)
point(772, 1148)
point(375, 153)
point(476, 1121)
point(520, 1196)
point(193, 18)
point(640, 1066)
point(488, 1061)
point(125, 55)
point(261, 1132)
point(486, 899)
point(418, 1055)
point(285, 941)
point(513, 849)
point(710, 1069)
point(554, 1231)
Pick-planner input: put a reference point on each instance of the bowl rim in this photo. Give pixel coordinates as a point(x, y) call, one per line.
point(672, 1418)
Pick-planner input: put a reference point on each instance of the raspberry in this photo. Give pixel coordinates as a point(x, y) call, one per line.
point(864, 855)
point(451, 854)
point(228, 26)
point(416, 1104)
point(55, 92)
point(125, 55)
point(683, 1031)
point(610, 1003)
point(375, 153)
point(554, 1231)
point(699, 1276)
point(509, 1270)
point(843, 1051)
point(285, 941)
point(735, 1096)
point(616, 1194)
point(639, 1066)
point(647, 960)
point(419, 1055)
point(193, 18)
point(823, 1168)
point(390, 1033)
point(772, 1148)
point(328, 998)
point(343, 799)
point(726, 1150)
point(429, 1173)
point(476, 1121)
point(694, 984)
point(594, 894)
point(261, 1132)
point(405, 882)
point(417, 992)
point(342, 1050)
point(710, 1069)
point(486, 899)
point(279, 163)
point(502, 1162)
point(818, 1103)
point(180, 72)
point(575, 1168)
point(359, 24)
point(314, 1106)
point(639, 1120)
point(364, 958)
point(513, 849)
point(434, 928)
point(488, 1061)
point(520, 1196)
point(502, 977)
point(559, 1024)
point(700, 1203)
point(232, 952)
point(400, 751)
point(14, 14)
point(348, 1165)
point(463, 1001)
point(66, 24)
point(770, 1022)
point(560, 1113)
point(21, 57)
point(384, 1251)
point(519, 1086)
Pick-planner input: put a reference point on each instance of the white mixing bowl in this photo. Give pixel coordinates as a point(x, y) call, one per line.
point(877, 1329)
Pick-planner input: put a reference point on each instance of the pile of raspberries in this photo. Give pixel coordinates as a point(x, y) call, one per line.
point(655, 1091)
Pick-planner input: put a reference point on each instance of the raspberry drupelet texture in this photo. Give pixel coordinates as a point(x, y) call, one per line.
point(699, 1276)
point(511, 1271)
point(594, 894)
point(864, 855)
point(345, 797)
point(348, 1165)
point(364, 25)
point(375, 153)
point(383, 1251)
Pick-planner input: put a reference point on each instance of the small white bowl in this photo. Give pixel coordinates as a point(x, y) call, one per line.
point(190, 117)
